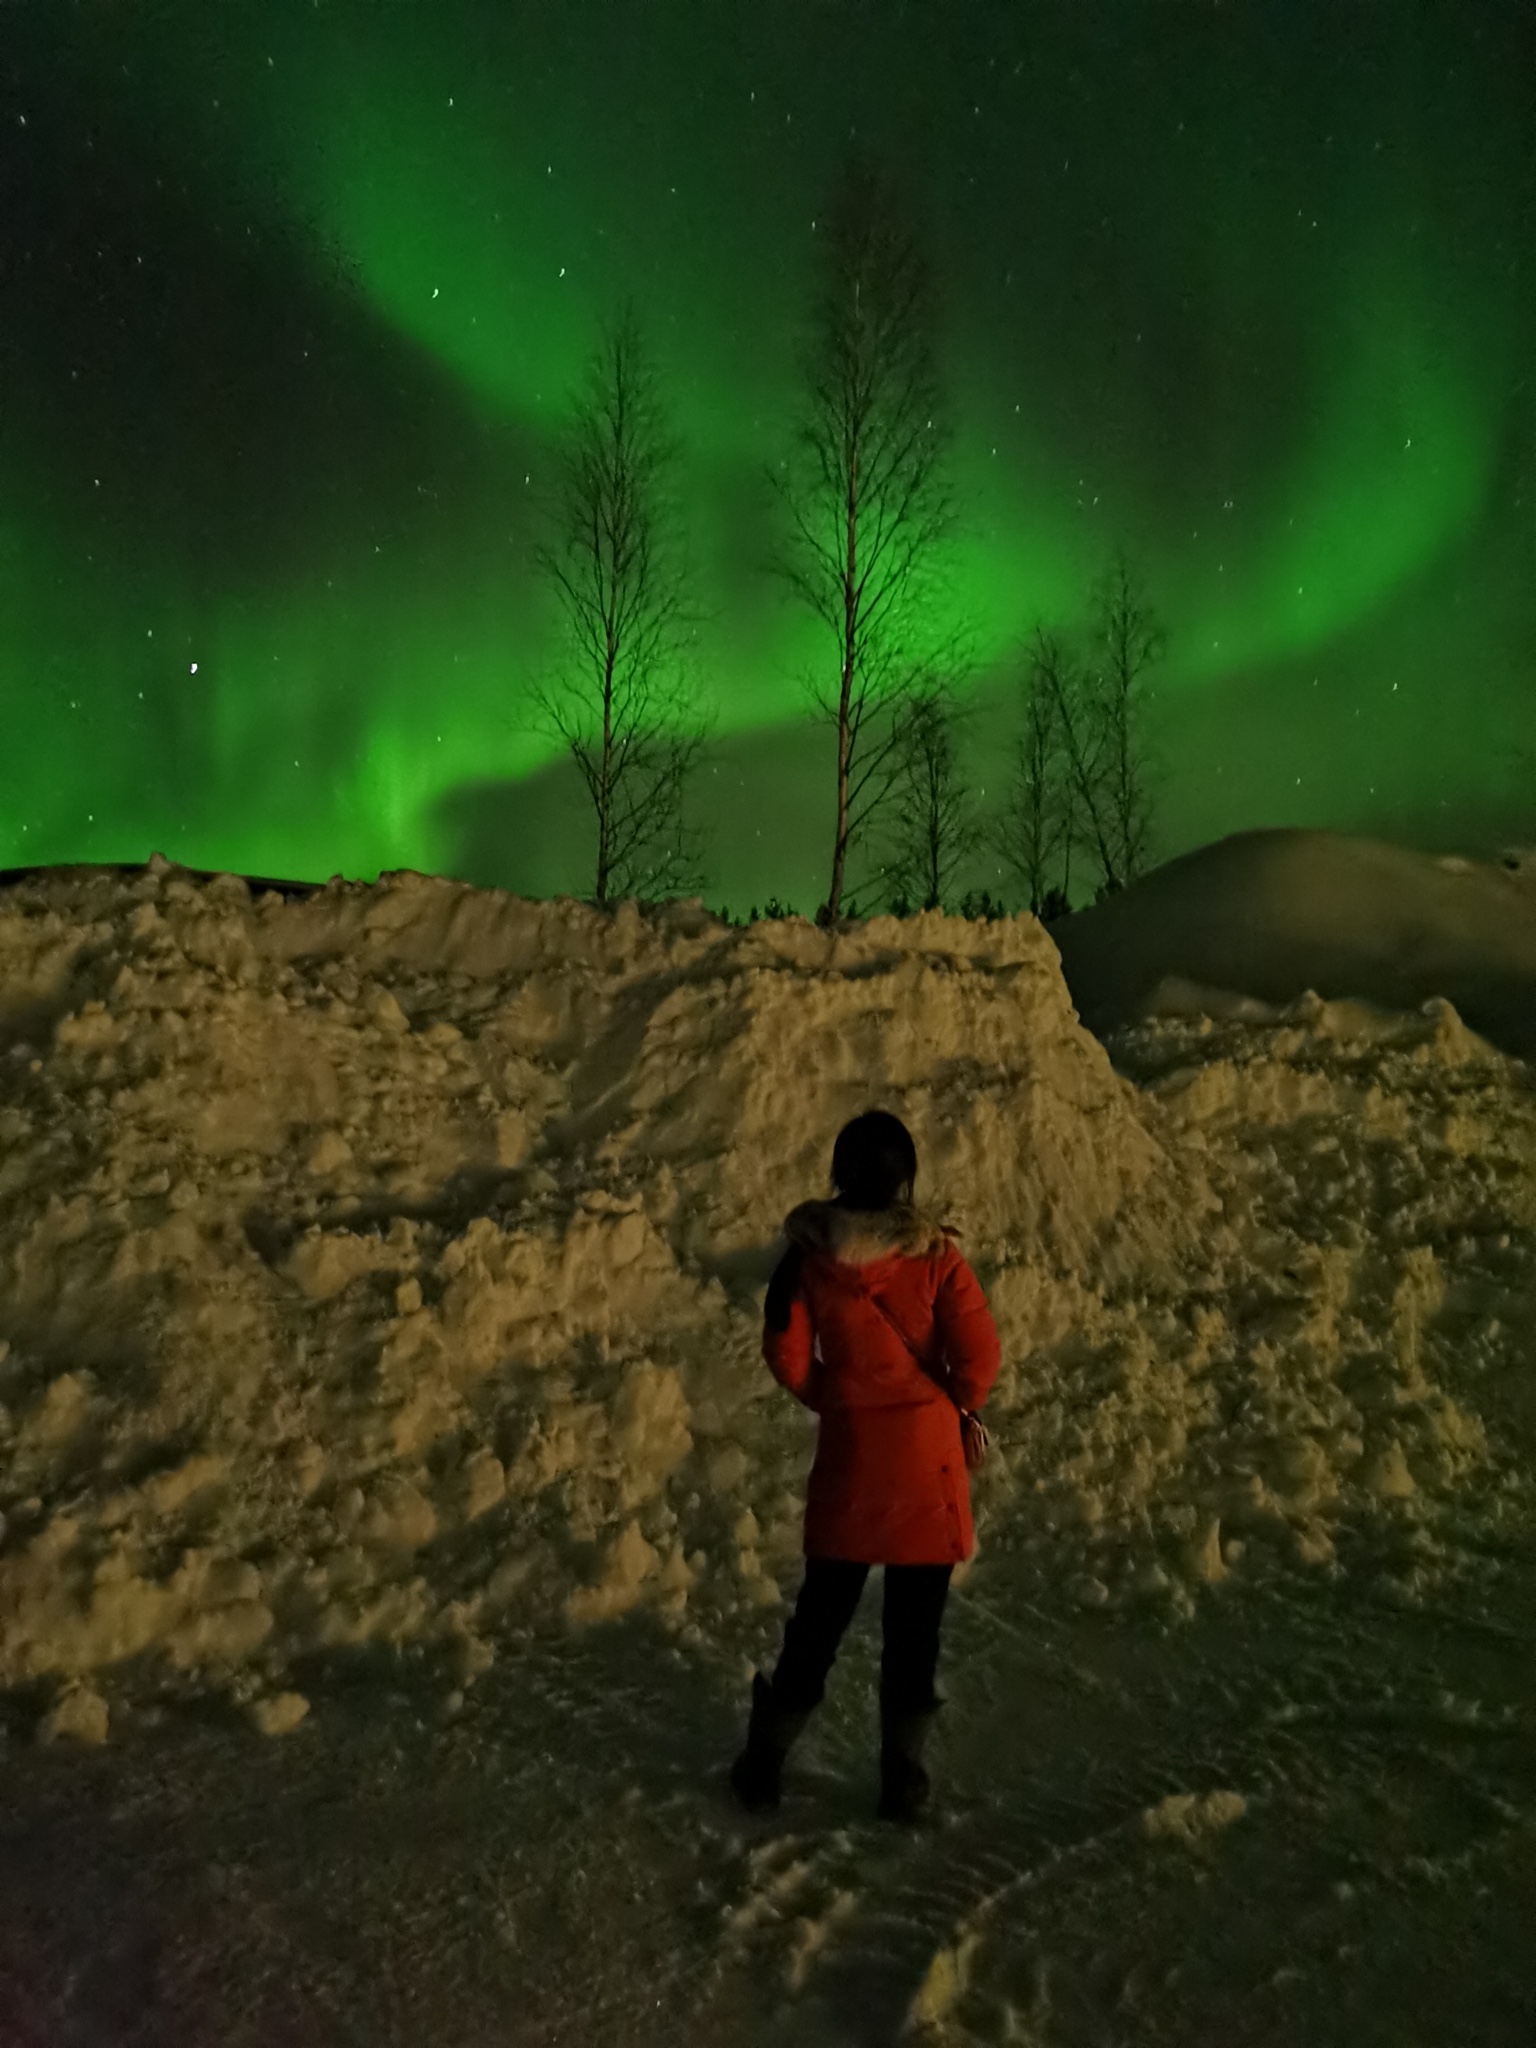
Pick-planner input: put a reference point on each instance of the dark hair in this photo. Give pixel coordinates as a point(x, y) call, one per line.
point(874, 1161)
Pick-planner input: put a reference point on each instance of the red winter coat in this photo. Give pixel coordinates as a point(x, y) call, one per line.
point(889, 1484)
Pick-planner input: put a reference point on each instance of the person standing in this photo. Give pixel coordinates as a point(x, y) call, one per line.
point(876, 1322)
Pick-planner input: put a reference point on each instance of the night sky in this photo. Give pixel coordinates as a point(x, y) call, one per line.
point(293, 296)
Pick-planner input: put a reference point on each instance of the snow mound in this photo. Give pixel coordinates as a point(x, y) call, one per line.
point(383, 1266)
point(1347, 1378)
point(382, 1275)
point(1270, 915)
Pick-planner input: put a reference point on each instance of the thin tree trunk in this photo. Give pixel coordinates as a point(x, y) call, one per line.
point(605, 787)
point(844, 702)
point(840, 843)
point(934, 836)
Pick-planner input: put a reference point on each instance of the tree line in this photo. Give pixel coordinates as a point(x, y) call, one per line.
point(866, 507)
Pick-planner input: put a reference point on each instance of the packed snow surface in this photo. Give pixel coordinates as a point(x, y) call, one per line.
point(381, 1318)
point(1269, 915)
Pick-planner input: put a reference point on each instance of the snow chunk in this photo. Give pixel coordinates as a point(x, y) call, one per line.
point(80, 1714)
point(1192, 1816)
point(280, 1713)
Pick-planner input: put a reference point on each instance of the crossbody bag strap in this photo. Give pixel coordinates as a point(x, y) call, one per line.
point(901, 1333)
point(975, 1437)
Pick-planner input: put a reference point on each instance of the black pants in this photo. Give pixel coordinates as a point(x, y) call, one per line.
point(910, 1618)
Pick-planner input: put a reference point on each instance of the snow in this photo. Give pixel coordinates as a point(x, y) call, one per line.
point(386, 1457)
point(1269, 915)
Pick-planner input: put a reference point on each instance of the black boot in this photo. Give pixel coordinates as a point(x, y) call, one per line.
point(770, 1733)
point(904, 1784)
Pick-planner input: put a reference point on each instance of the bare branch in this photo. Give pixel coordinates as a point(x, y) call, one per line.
point(1082, 775)
point(866, 495)
point(1128, 641)
point(624, 707)
point(1032, 832)
point(935, 829)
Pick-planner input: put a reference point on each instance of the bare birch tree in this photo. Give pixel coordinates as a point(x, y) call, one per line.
point(1033, 831)
point(623, 703)
point(934, 830)
point(1082, 777)
point(1128, 641)
point(867, 493)
point(1077, 712)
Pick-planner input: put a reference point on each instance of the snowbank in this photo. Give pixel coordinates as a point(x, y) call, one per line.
point(383, 1266)
point(382, 1272)
point(1269, 915)
point(1344, 1379)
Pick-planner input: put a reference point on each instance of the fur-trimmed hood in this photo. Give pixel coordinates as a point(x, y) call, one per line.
point(858, 1237)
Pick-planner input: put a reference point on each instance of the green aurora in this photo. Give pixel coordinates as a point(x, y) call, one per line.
point(294, 298)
